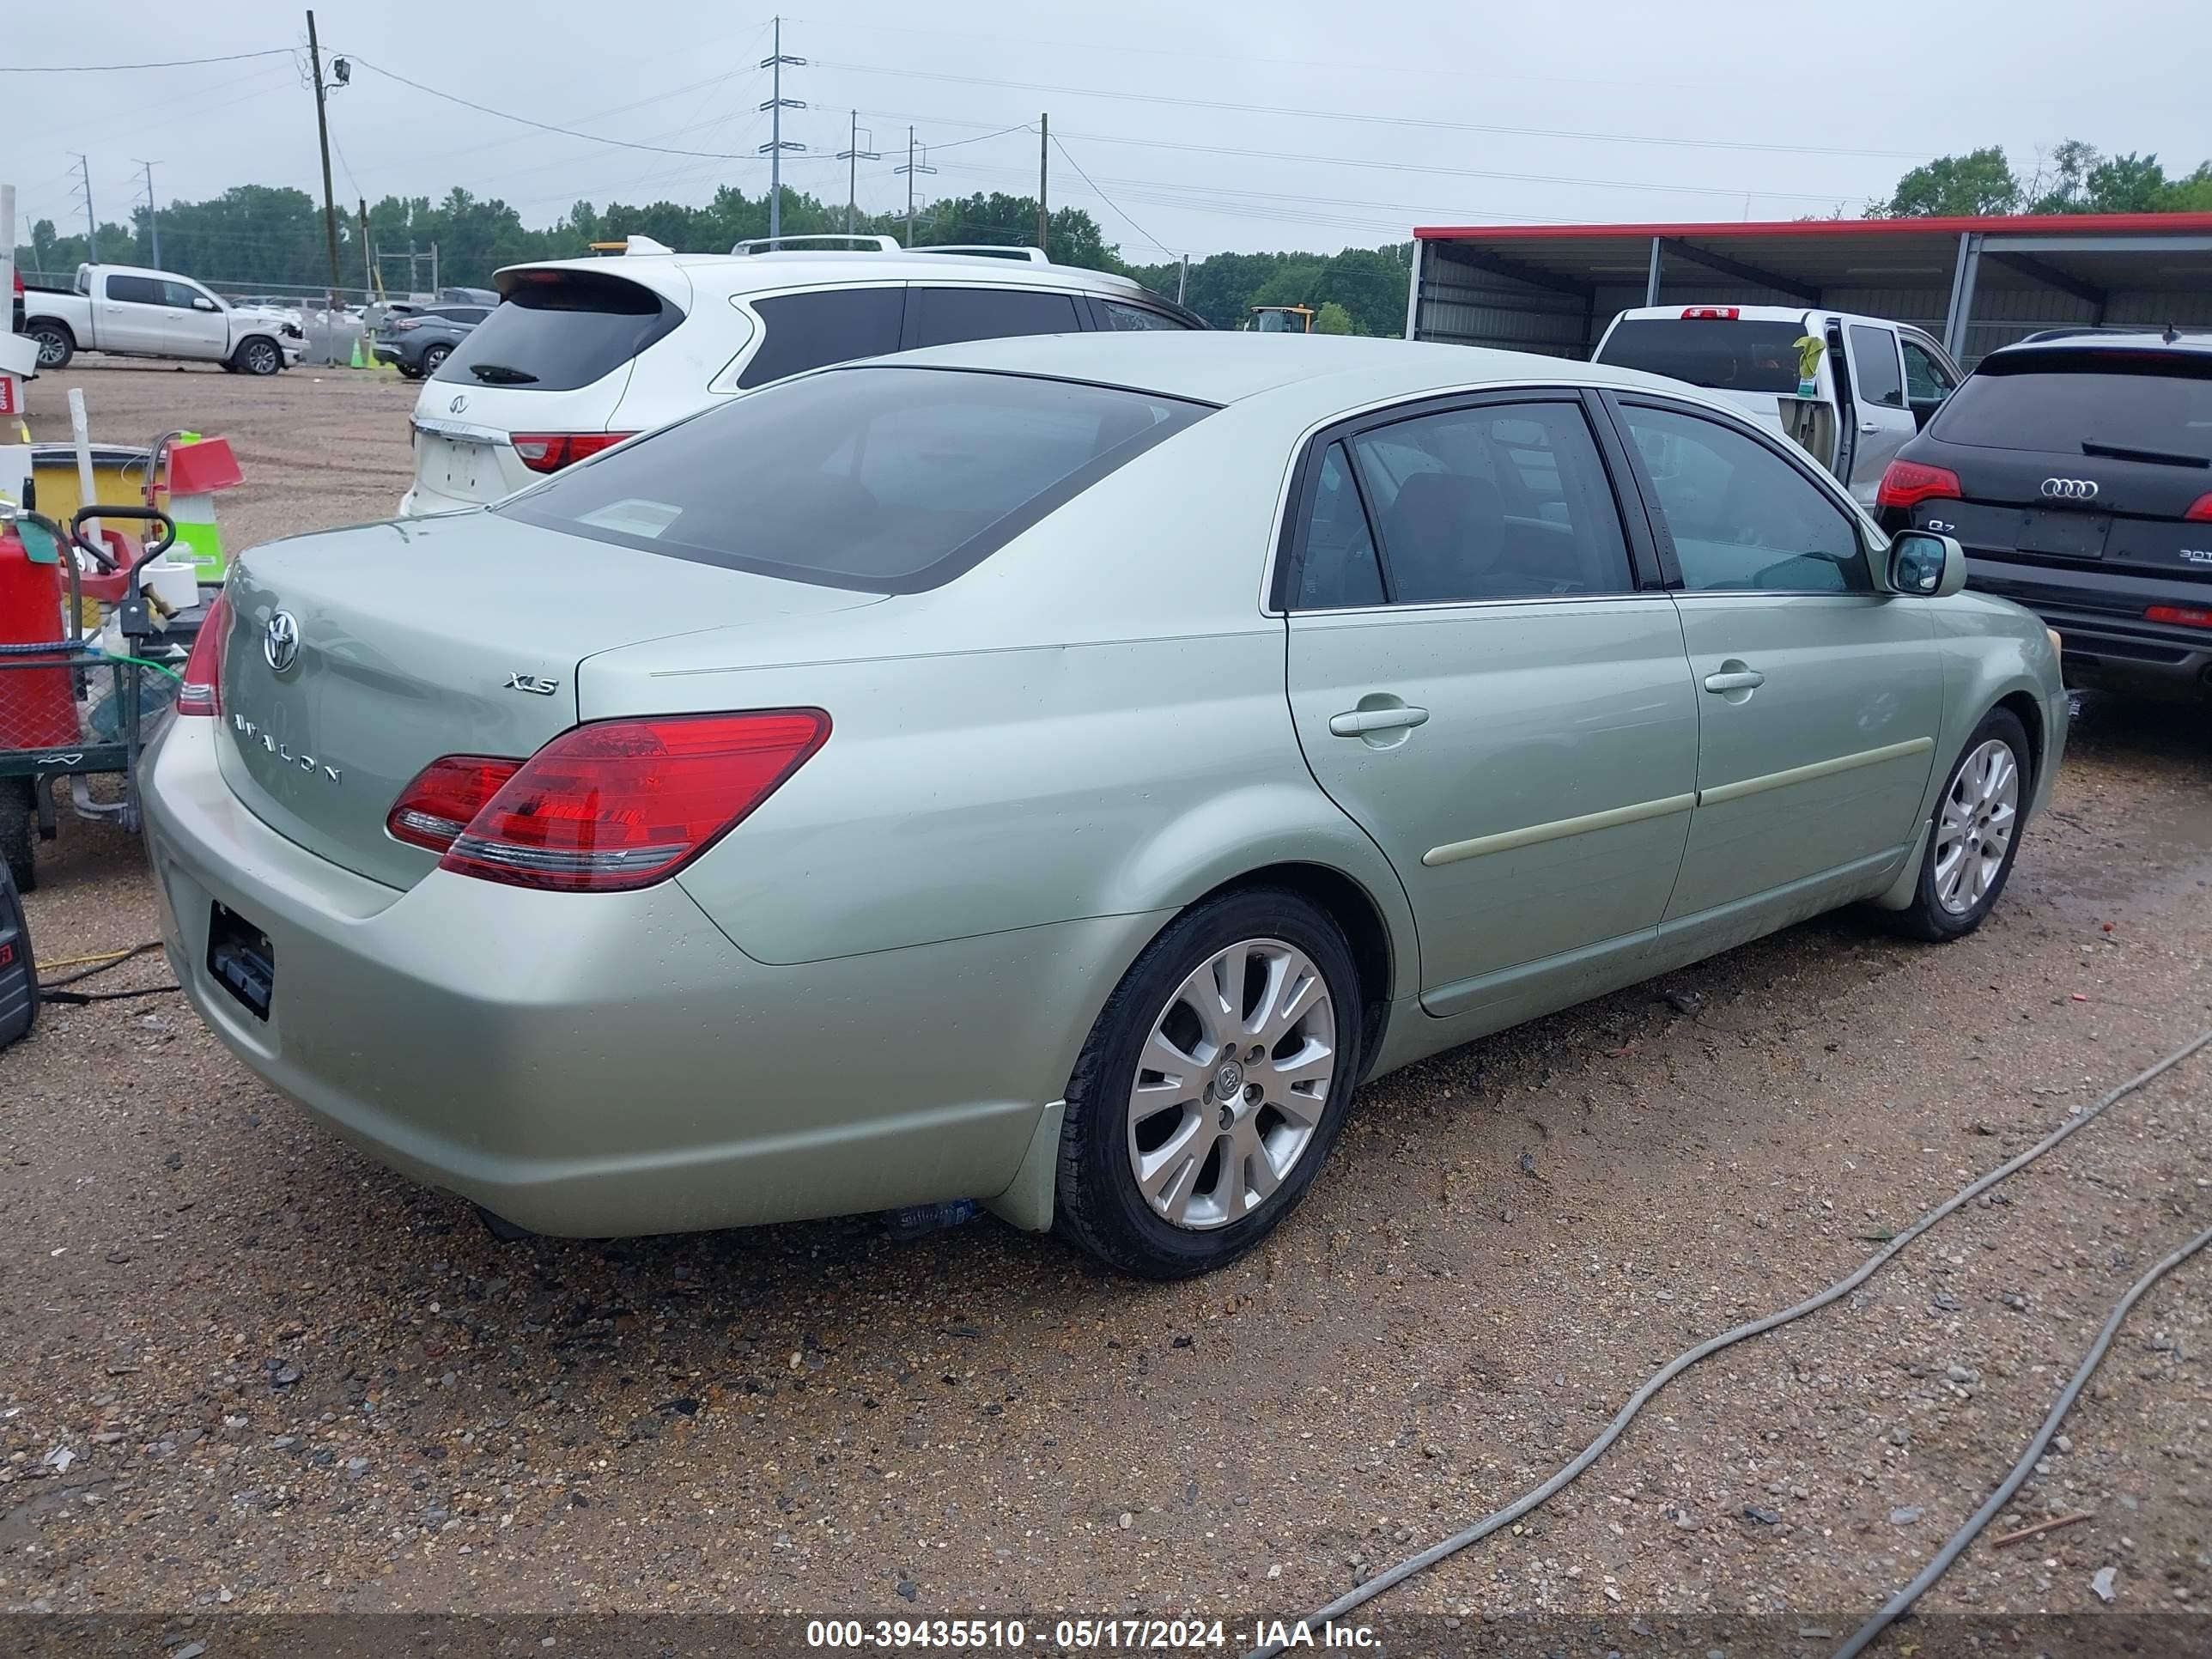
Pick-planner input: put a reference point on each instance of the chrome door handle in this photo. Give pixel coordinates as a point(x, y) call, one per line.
point(1741, 679)
point(1359, 722)
point(1869, 425)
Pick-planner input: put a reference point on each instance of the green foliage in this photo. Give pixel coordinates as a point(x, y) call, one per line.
point(1332, 318)
point(1954, 187)
point(2073, 178)
point(1368, 284)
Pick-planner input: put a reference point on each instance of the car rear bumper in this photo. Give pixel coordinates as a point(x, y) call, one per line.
point(609, 1065)
point(2099, 613)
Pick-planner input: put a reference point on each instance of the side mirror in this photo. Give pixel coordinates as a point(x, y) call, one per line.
point(200, 302)
point(1925, 565)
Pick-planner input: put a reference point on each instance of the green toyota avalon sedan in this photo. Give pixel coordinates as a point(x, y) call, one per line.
point(1055, 772)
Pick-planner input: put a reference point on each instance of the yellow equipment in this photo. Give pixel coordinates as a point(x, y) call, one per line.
point(1283, 319)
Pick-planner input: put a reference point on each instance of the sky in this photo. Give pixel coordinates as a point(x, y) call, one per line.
point(1183, 129)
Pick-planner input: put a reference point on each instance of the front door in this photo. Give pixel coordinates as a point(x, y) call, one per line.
point(1478, 679)
point(1820, 698)
point(197, 325)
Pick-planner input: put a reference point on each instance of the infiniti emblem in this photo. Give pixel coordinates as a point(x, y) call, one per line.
point(2071, 490)
point(460, 402)
point(280, 642)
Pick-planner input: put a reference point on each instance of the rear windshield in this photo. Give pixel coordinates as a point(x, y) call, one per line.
point(2061, 401)
point(560, 330)
point(888, 480)
point(1729, 356)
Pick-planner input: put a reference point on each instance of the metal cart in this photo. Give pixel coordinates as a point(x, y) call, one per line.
point(49, 690)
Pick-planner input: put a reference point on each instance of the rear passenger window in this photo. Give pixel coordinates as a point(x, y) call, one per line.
point(835, 325)
point(136, 291)
point(950, 315)
point(1127, 317)
point(1741, 517)
point(1505, 501)
point(1338, 566)
point(1874, 351)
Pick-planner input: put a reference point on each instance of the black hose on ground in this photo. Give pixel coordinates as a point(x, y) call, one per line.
point(1532, 1499)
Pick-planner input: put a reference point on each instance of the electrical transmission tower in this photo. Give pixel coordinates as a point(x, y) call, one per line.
point(777, 144)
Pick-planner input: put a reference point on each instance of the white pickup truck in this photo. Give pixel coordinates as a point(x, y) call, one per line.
point(136, 313)
point(1852, 400)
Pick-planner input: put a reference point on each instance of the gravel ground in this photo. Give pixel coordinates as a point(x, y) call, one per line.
point(247, 1370)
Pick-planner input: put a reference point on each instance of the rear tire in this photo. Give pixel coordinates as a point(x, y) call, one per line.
point(1199, 1114)
point(56, 345)
point(432, 357)
point(257, 356)
point(19, 830)
point(1976, 834)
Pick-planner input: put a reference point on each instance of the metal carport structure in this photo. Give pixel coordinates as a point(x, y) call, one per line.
point(1974, 283)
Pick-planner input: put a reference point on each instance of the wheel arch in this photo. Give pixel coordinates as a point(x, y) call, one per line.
point(1353, 909)
point(2028, 711)
point(46, 320)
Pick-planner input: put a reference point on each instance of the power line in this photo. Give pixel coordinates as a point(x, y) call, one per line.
point(544, 126)
point(169, 62)
point(1110, 201)
point(1370, 120)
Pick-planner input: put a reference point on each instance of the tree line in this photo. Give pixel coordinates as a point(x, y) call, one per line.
point(258, 237)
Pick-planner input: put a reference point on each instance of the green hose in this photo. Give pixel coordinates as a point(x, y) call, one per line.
point(141, 662)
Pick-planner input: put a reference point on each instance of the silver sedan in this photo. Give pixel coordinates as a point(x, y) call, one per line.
point(1055, 772)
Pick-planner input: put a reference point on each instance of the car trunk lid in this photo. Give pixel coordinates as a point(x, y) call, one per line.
point(423, 638)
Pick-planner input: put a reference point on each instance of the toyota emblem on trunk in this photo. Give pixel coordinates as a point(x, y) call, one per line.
point(280, 642)
point(2071, 490)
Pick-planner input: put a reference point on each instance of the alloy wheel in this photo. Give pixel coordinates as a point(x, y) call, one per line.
point(1231, 1084)
point(1975, 829)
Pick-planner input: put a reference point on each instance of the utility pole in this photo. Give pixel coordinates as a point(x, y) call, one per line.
point(853, 155)
point(1182, 278)
point(368, 260)
point(1044, 153)
point(777, 144)
point(329, 199)
point(434, 271)
point(153, 212)
point(910, 169)
point(91, 224)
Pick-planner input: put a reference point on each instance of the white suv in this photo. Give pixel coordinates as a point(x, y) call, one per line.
point(583, 353)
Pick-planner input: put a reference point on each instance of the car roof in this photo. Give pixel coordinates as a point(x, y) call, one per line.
point(1225, 366)
point(679, 276)
point(2110, 339)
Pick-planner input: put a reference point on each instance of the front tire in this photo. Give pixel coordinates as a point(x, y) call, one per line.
point(257, 356)
point(1976, 834)
point(1212, 1087)
point(56, 345)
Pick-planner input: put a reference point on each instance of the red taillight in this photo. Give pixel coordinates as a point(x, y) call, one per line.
point(401, 324)
point(2199, 511)
point(622, 803)
point(549, 452)
point(2182, 615)
point(435, 808)
point(1710, 314)
point(1908, 483)
point(202, 691)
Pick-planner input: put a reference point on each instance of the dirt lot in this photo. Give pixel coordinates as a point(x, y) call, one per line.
point(289, 1382)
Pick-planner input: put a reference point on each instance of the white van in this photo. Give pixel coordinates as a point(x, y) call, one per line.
point(580, 354)
point(1873, 383)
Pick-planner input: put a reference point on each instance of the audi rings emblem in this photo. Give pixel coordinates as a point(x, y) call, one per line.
point(2069, 490)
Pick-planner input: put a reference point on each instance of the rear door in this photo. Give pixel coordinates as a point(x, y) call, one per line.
point(1480, 679)
point(1820, 698)
point(1885, 419)
point(133, 314)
